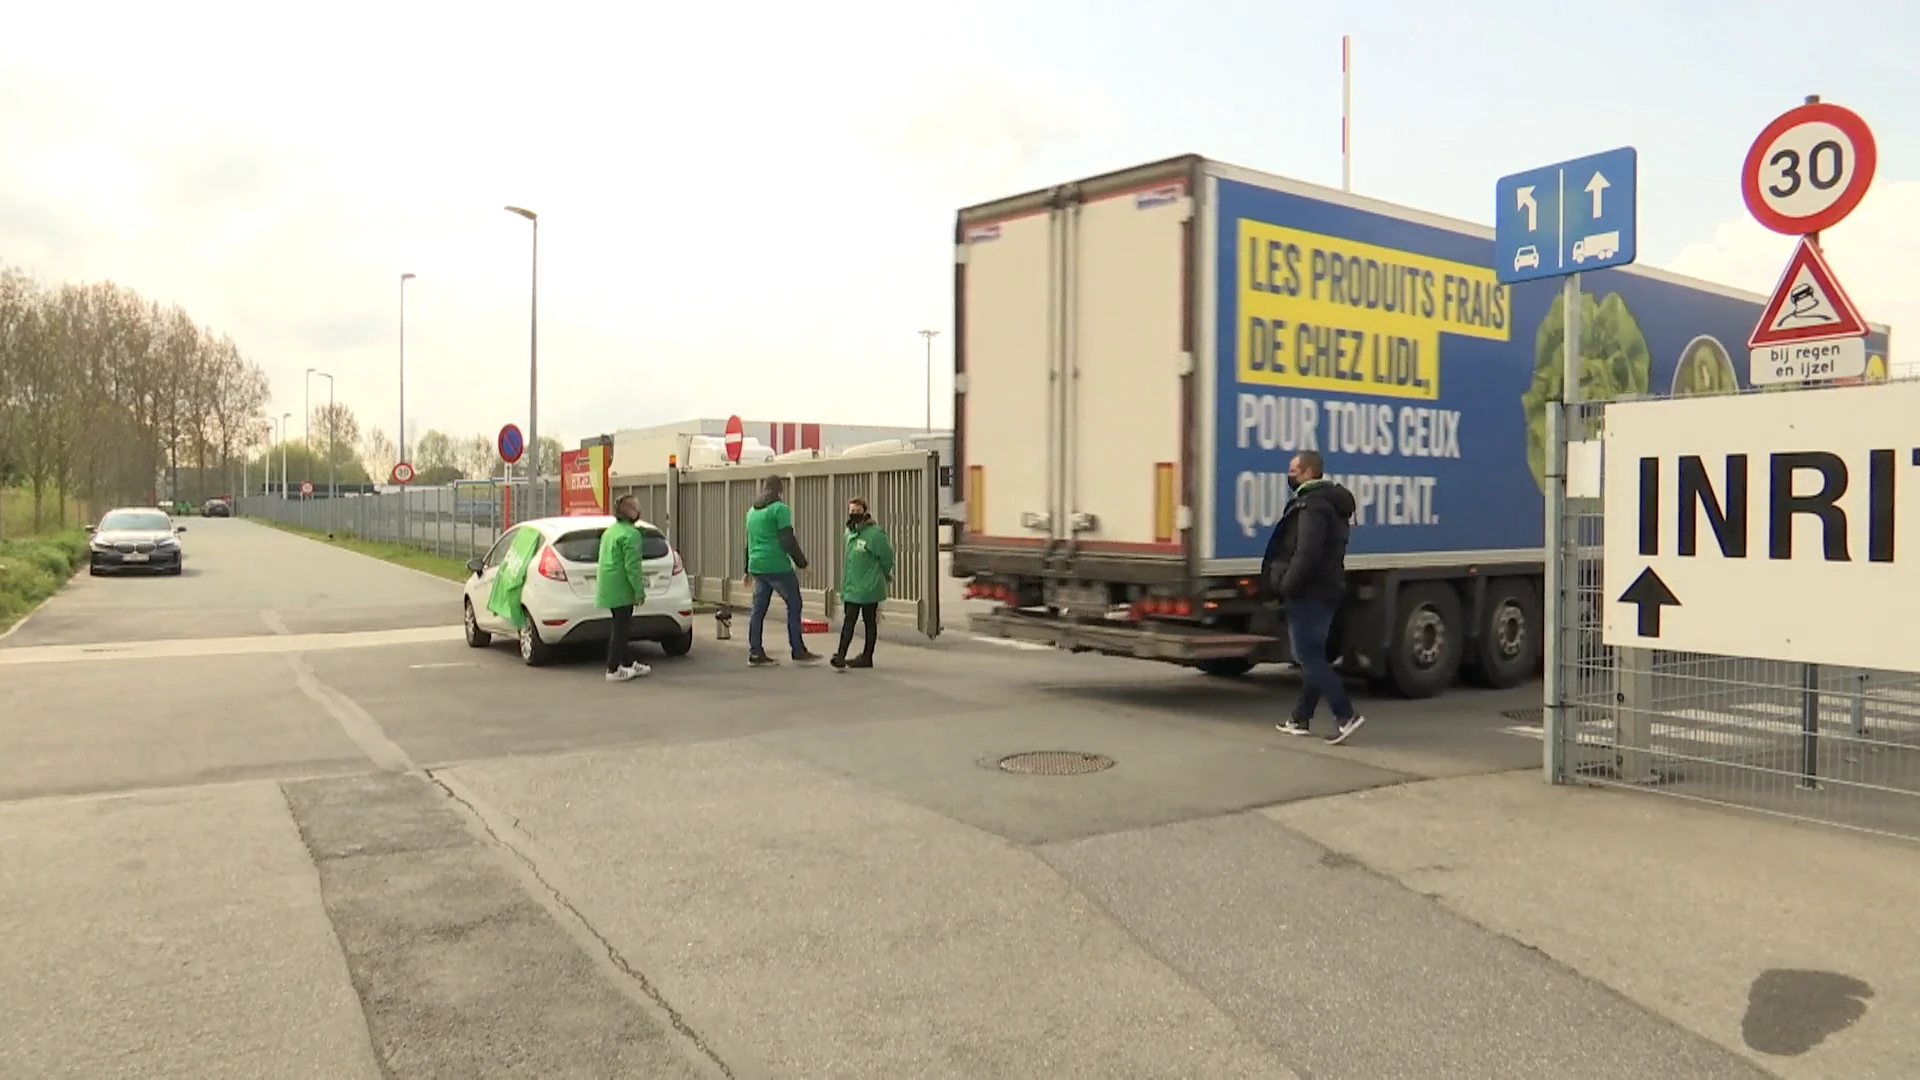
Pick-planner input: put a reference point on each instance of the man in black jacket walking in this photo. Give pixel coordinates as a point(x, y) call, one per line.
point(1306, 567)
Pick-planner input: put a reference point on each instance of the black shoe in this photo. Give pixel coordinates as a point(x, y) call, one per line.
point(806, 657)
point(839, 662)
point(861, 662)
point(1294, 727)
point(761, 660)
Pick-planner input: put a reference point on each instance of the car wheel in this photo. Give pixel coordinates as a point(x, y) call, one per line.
point(476, 637)
point(1426, 649)
point(1508, 648)
point(1225, 667)
point(533, 651)
point(679, 646)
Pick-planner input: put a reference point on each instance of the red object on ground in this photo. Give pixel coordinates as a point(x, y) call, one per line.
point(813, 626)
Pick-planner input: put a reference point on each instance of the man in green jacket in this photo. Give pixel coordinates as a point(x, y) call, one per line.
point(866, 572)
point(773, 559)
point(620, 585)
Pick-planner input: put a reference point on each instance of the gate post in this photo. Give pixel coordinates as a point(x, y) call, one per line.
point(930, 545)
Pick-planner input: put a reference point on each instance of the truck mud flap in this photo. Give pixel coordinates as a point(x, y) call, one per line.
point(1175, 644)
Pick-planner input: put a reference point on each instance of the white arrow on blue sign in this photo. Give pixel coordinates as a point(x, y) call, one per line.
point(1565, 218)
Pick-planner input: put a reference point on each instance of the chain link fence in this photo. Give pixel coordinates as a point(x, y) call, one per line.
point(458, 521)
point(1840, 746)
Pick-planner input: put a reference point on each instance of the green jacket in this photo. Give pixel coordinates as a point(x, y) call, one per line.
point(868, 567)
point(621, 581)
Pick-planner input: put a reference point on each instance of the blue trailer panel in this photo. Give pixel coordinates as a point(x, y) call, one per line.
point(1384, 341)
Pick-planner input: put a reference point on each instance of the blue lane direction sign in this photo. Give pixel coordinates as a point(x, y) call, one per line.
point(1565, 218)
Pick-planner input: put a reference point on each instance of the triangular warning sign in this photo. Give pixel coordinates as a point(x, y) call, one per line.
point(1808, 304)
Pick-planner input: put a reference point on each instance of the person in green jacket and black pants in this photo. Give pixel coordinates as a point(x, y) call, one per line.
point(865, 574)
point(621, 584)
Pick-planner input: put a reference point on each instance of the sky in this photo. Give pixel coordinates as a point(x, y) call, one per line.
point(749, 208)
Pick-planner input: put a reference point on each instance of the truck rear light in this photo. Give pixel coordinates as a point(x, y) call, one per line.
point(550, 567)
point(1183, 607)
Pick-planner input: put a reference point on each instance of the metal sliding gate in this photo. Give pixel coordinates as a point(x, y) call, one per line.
point(704, 512)
point(1840, 746)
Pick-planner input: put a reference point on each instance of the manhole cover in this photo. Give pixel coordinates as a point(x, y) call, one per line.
point(1055, 763)
point(1532, 715)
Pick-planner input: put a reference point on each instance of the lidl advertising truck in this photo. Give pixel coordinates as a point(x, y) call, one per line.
point(1138, 355)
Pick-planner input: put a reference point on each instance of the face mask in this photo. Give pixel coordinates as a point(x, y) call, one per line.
point(1293, 483)
point(854, 519)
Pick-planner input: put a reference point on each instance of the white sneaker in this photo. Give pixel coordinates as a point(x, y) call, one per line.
point(1346, 730)
point(620, 674)
point(639, 669)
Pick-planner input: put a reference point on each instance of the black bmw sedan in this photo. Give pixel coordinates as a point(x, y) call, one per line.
point(135, 539)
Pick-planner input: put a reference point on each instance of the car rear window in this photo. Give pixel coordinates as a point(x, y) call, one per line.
point(584, 546)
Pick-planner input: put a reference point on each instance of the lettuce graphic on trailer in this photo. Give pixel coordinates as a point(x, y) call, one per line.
point(1704, 369)
point(1614, 362)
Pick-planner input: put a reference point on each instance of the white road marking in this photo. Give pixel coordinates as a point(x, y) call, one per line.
point(1010, 643)
point(262, 644)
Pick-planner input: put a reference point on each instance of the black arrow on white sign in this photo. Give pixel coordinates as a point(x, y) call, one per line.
point(1649, 594)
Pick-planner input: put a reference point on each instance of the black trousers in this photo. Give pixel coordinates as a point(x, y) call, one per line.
point(618, 655)
point(852, 614)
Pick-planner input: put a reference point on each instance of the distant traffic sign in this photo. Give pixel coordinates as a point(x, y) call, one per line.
point(306, 487)
point(402, 473)
point(1717, 507)
point(1809, 168)
point(511, 443)
point(1562, 219)
point(1809, 331)
point(736, 438)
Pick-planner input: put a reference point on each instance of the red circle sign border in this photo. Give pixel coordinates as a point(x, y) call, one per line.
point(500, 444)
point(1866, 153)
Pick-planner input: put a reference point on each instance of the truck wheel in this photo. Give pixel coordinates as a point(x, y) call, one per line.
point(1427, 643)
point(1508, 649)
point(1226, 667)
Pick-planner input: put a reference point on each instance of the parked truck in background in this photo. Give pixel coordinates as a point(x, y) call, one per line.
point(1138, 355)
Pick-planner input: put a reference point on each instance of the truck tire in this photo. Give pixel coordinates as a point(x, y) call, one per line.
point(1427, 641)
point(1225, 667)
point(1507, 650)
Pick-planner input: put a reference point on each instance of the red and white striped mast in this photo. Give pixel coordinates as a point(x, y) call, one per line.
point(1346, 112)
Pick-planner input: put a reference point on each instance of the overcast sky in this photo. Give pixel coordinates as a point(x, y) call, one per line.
point(748, 208)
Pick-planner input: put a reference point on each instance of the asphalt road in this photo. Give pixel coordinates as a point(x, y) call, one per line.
point(274, 818)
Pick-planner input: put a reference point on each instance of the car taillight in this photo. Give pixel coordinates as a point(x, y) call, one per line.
point(550, 567)
point(679, 567)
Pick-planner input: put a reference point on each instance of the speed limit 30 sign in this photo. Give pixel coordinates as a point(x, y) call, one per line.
point(1809, 169)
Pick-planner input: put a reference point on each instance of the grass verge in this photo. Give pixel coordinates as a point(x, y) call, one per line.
point(34, 568)
point(398, 554)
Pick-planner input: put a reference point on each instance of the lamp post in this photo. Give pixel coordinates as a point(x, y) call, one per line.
point(533, 359)
point(929, 335)
point(285, 419)
point(333, 486)
point(400, 440)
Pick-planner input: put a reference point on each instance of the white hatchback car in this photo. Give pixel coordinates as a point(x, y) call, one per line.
point(558, 595)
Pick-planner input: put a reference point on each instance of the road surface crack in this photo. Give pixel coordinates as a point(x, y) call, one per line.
point(619, 961)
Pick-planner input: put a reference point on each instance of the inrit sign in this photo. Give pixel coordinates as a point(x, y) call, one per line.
point(1777, 526)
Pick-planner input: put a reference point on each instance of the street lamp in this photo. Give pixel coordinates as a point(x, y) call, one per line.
point(401, 439)
point(533, 356)
point(285, 419)
point(333, 486)
point(929, 335)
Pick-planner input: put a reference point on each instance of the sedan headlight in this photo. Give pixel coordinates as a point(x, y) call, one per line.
point(167, 542)
point(100, 545)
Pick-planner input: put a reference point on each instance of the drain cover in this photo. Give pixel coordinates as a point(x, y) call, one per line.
point(1533, 715)
point(1055, 763)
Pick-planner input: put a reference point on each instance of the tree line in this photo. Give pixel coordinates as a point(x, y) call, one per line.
point(108, 397)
